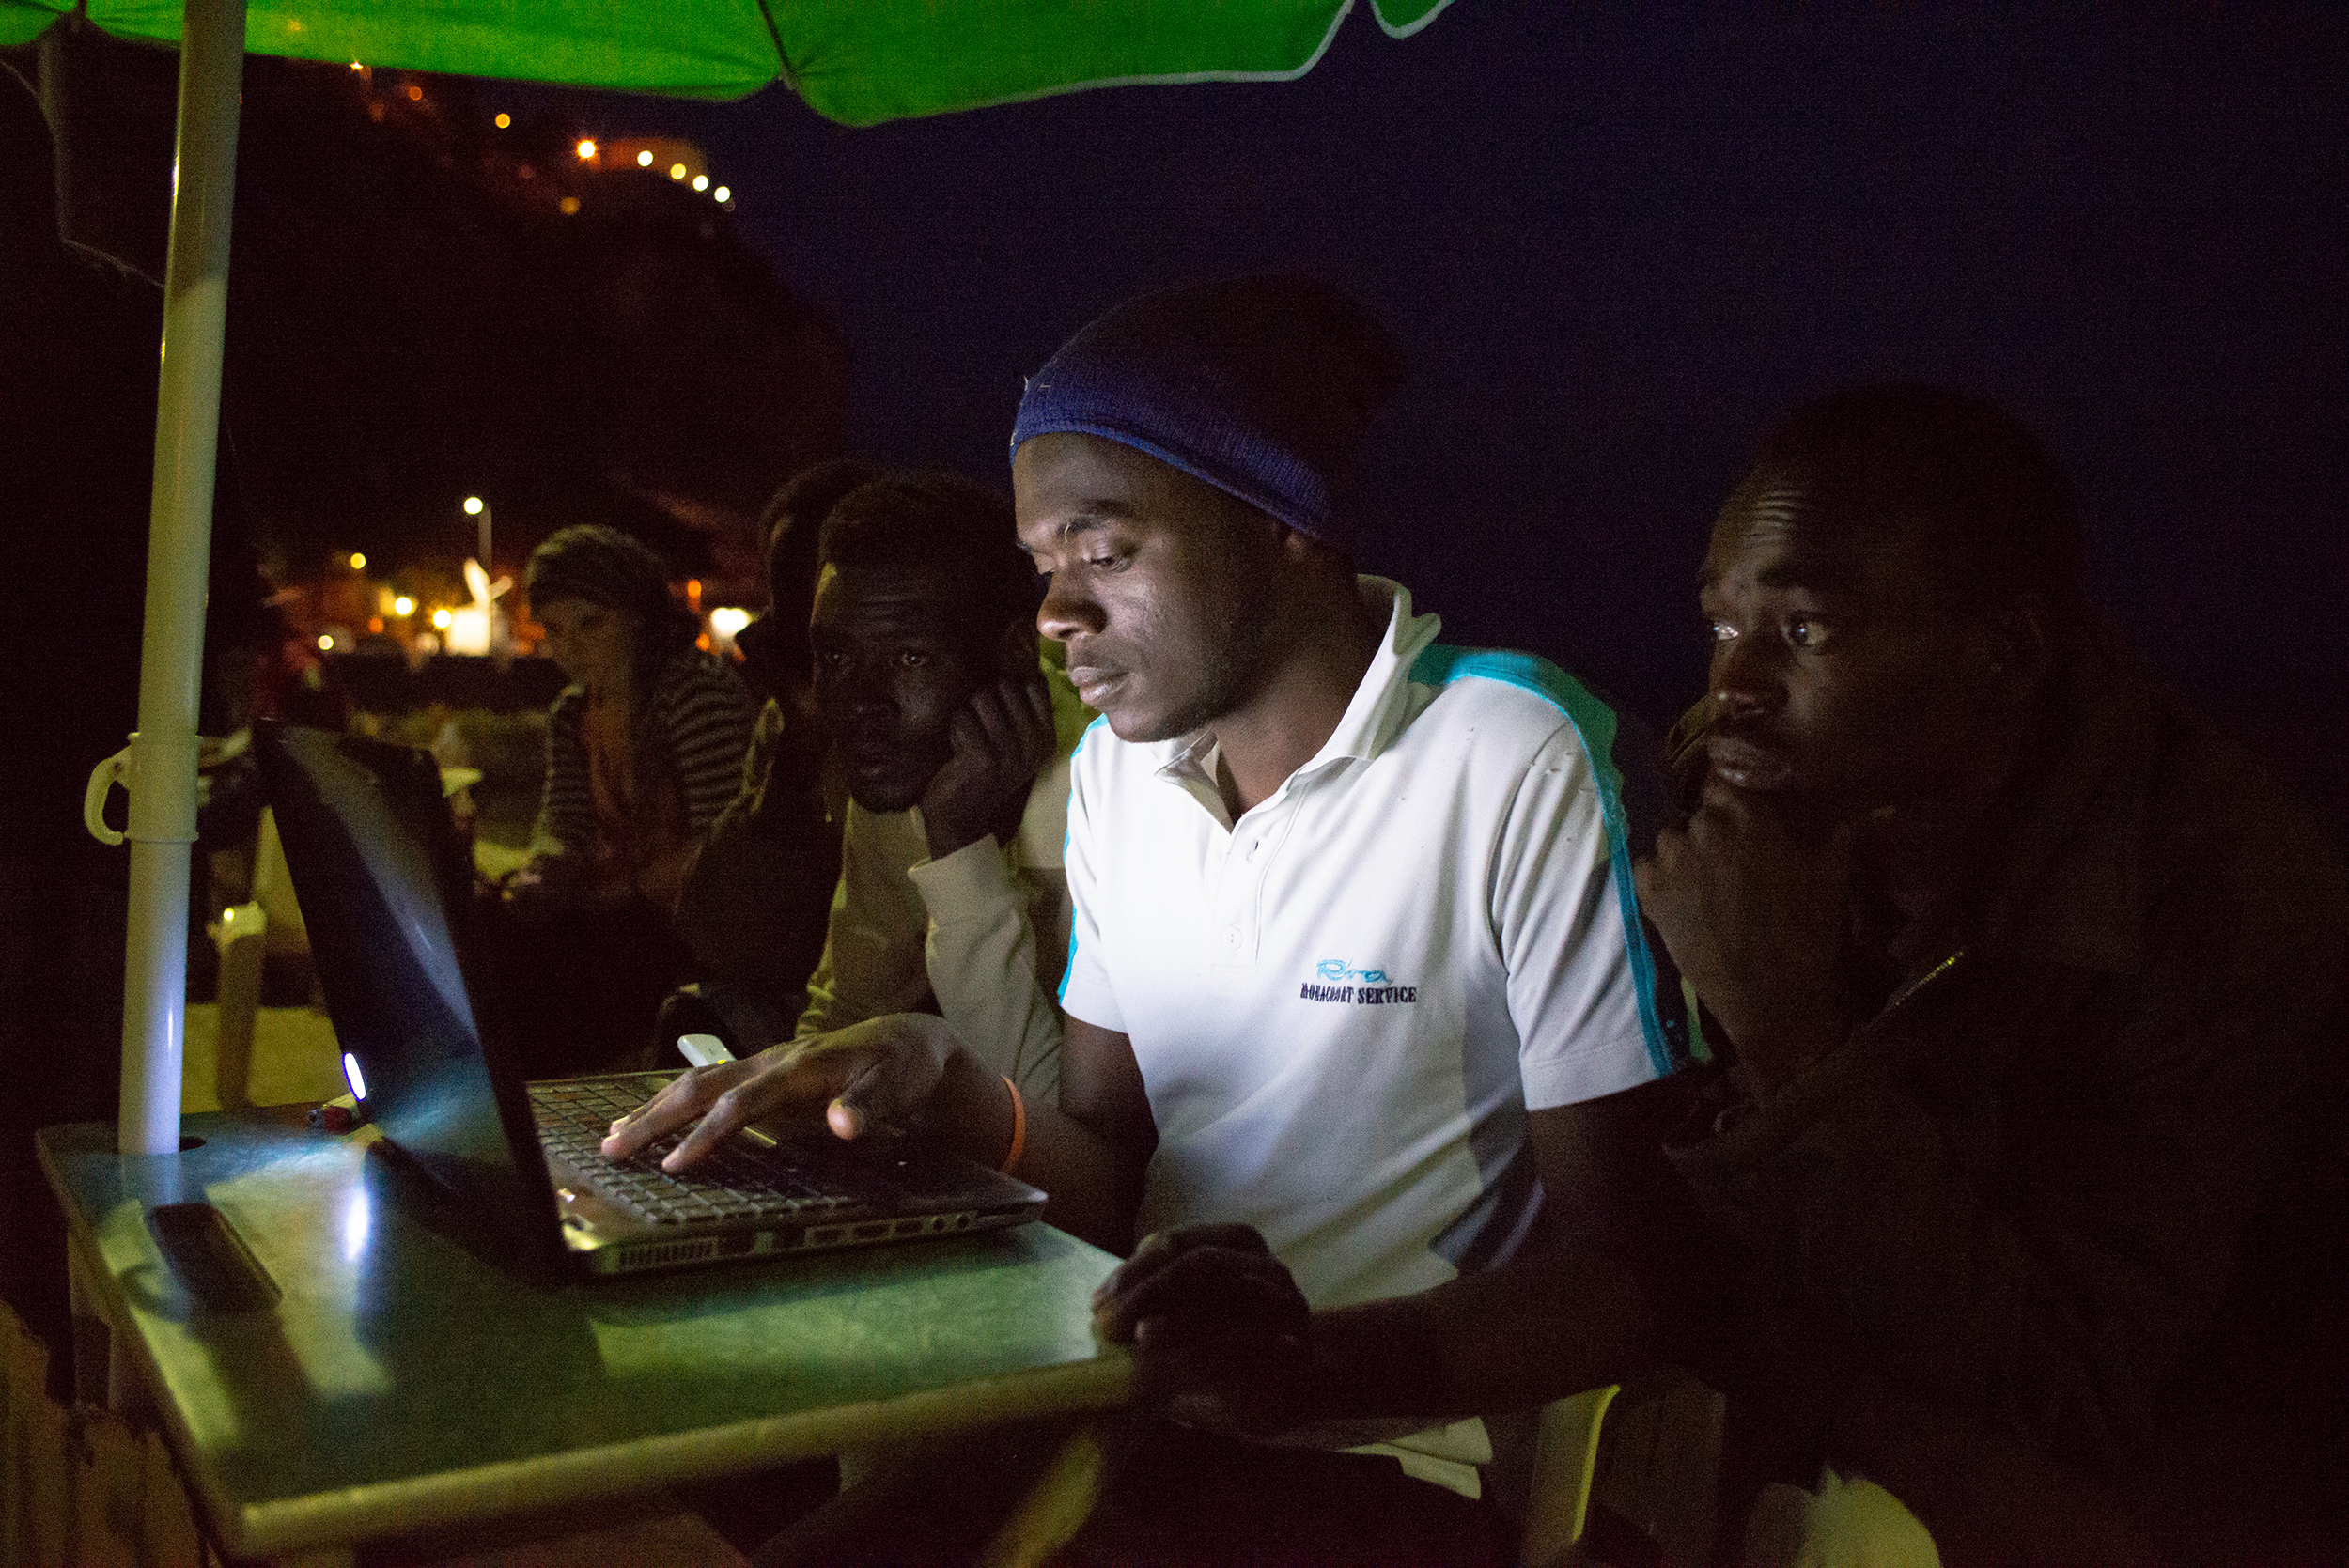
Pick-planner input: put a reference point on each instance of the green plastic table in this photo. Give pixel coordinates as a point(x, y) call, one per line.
point(401, 1382)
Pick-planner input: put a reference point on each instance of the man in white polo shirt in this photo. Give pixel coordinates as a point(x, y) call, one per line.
point(1355, 983)
point(1345, 1003)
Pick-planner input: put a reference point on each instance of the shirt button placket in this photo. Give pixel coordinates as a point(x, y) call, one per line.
point(1233, 894)
point(1241, 894)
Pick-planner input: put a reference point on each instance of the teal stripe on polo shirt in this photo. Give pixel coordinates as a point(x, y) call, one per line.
point(1595, 725)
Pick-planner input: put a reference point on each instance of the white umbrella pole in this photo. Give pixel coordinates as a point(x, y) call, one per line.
point(179, 555)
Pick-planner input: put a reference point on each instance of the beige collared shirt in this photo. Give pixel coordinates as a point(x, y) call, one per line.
point(984, 930)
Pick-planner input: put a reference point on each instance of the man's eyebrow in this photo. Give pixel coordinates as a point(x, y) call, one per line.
point(1821, 575)
point(1091, 517)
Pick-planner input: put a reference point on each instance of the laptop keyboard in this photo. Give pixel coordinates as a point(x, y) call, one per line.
point(733, 1182)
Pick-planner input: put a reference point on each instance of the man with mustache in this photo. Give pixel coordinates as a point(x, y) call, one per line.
point(1358, 1008)
point(2020, 966)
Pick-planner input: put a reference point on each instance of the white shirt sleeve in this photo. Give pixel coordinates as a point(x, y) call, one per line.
point(872, 961)
point(1084, 987)
point(1559, 915)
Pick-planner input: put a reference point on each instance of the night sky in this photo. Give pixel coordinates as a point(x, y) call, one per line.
point(1617, 247)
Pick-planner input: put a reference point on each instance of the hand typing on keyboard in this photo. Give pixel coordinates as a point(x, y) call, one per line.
point(737, 1181)
point(885, 1070)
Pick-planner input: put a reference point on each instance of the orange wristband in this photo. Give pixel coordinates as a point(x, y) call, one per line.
point(1019, 1127)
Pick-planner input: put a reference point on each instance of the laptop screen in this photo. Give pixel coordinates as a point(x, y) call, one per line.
point(387, 894)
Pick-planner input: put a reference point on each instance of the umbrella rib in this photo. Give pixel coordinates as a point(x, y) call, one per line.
point(783, 61)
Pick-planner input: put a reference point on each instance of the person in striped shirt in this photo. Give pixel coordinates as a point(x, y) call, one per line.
point(644, 750)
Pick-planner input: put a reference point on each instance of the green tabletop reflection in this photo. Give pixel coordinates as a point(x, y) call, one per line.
point(403, 1378)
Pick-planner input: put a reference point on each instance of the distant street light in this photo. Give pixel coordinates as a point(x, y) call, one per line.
point(476, 507)
point(676, 171)
point(701, 182)
point(722, 193)
point(403, 605)
point(644, 159)
point(358, 562)
point(586, 151)
point(477, 628)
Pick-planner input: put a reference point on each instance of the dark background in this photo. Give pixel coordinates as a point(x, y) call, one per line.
point(1615, 245)
point(1618, 244)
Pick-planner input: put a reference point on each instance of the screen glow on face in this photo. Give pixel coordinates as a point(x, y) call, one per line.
point(353, 1076)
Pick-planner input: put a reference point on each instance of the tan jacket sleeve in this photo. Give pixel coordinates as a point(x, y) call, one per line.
point(982, 951)
point(872, 961)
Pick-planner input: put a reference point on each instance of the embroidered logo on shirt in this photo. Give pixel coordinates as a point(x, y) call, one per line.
point(1335, 980)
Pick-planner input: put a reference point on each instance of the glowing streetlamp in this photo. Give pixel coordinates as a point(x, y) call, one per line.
point(476, 508)
point(477, 628)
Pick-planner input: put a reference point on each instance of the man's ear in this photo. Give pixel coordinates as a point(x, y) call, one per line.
point(1315, 556)
point(1014, 653)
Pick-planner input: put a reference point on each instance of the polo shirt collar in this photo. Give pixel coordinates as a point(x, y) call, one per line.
point(1382, 704)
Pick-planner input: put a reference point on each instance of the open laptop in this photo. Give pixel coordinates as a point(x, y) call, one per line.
point(386, 890)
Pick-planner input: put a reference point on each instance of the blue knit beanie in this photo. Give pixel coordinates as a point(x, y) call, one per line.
point(1260, 386)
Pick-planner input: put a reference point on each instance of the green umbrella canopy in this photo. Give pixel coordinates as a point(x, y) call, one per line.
point(856, 61)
